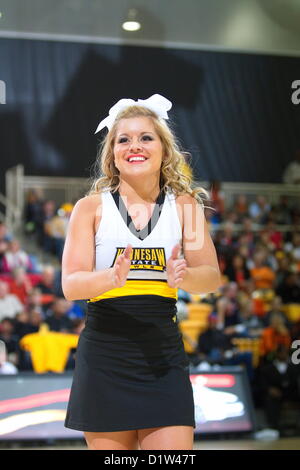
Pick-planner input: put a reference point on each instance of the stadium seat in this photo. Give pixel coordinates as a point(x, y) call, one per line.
point(251, 345)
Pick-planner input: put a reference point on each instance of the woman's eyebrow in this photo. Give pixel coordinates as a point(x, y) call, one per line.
point(144, 132)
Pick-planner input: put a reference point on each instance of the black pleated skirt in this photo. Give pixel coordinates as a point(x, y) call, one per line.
point(131, 370)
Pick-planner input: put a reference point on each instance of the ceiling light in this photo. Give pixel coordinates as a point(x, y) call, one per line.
point(131, 23)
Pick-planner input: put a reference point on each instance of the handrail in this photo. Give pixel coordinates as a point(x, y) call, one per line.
point(70, 189)
point(12, 215)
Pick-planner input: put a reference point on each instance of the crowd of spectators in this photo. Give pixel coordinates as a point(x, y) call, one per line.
point(30, 296)
point(258, 248)
point(260, 264)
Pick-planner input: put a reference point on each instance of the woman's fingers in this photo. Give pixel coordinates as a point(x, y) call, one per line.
point(122, 267)
point(176, 267)
point(175, 251)
point(127, 251)
point(180, 265)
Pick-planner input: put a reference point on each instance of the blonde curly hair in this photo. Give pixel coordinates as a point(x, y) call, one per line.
point(174, 174)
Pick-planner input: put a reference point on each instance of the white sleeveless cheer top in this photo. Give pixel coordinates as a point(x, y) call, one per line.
point(152, 246)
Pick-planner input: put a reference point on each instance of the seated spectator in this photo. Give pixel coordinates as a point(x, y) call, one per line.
point(27, 322)
point(46, 285)
point(291, 174)
point(241, 207)
point(248, 234)
point(262, 275)
point(20, 285)
point(6, 367)
point(48, 212)
point(10, 305)
point(35, 301)
point(274, 238)
point(244, 251)
point(259, 210)
point(228, 237)
point(227, 307)
point(224, 242)
point(231, 217)
point(49, 286)
point(216, 347)
point(33, 210)
point(56, 228)
point(273, 336)
point(278, 385)
point(15, 257)
point(212, 343)
point(237, 271)
point(289, 289)
point(7, 334)
point(249, 288)
point(262, 246)
point(56, 316)
point(276, 309)
point(49, 350)
point(229, 322)
point(250, 326)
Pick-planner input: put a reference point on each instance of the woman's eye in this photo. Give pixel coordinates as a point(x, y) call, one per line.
point(147, 137)
point(122, 140)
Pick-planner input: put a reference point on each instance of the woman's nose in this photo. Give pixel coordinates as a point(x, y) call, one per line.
point(135, 145)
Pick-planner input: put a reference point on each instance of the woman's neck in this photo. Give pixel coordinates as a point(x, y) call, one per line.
point(140, 190)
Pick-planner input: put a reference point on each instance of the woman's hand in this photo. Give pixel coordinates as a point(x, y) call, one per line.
point(121, 268)
point(176, 267)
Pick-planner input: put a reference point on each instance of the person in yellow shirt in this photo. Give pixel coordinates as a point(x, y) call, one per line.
point(49, 350)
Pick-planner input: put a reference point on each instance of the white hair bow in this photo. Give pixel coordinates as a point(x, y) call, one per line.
point(157, 103)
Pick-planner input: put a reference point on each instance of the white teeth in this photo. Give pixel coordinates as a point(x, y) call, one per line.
point(135, 159)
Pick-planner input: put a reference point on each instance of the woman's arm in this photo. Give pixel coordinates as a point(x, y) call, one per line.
point(78, 279)
point(202, 273)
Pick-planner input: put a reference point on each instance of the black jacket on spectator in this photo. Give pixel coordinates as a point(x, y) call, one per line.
point(11, 343)
point(22, 329)
point(213, 339)
point(59, 323)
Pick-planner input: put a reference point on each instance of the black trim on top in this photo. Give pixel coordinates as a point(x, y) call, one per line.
point(145, 232)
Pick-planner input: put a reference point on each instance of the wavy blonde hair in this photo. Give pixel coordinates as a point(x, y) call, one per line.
point(173, 175)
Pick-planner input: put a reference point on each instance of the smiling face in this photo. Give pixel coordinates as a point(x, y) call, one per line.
point(137, 148)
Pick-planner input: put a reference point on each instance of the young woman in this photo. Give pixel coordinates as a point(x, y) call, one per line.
point(138, 236)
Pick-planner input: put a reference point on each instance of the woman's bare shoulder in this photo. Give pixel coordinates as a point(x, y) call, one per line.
point(91, 208)
point(89, 202)
point(184, 199)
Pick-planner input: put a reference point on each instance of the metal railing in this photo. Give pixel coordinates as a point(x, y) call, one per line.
point(64, 189)
point(13, 200)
